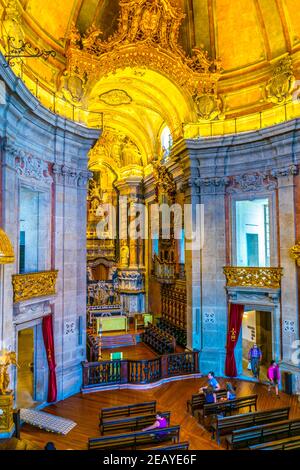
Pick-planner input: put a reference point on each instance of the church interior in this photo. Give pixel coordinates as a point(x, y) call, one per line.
point(150, 225)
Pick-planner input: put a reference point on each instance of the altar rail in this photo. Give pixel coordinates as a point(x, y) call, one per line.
point(140, 372)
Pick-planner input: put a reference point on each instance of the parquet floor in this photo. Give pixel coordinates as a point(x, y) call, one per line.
point(84, 410)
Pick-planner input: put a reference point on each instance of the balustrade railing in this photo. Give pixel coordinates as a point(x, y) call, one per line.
point(240, 276)
point(146, 371)
point(30, 285)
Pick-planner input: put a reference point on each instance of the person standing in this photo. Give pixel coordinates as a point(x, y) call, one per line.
point(255, 357)
point(274, 377)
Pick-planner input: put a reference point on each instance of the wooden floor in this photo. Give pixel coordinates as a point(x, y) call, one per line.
point(131, 352)
point(84, 410)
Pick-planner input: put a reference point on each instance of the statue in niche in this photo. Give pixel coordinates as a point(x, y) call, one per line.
point(130, 154)
point(7, 358)
point(124, 255)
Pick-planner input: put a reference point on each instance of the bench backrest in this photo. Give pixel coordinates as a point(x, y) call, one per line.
point(180, 445)
point(252, 419)
point(241, 402)
point(133, 439)
point(266, 430)
point(291, 443)
point(128, 410)
point(199, 398)
point(131, 424)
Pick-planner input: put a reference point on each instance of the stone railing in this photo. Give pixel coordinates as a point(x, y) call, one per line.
point(31, 285)
point(253, 277)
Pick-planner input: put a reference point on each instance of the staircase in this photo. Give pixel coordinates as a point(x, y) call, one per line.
point(109, 342)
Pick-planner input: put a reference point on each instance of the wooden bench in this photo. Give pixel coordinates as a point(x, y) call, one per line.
point(178, 446)
point(127, 410)
point(198, 400)
point(131, 424)
point(264, 433)
point(225, 425)
point(291, 443)
point(135, 439)
point(228, 406)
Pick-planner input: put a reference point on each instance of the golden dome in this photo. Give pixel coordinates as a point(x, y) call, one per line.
point(6, 249)
point(253, 40)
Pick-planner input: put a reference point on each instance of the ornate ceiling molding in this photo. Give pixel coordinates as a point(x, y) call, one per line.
point(147, 36)
point(118, 152)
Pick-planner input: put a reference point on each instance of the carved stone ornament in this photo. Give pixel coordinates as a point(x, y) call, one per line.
point(28, 165)
point(70, 176)
point(252, 183)
point(280, 87)
point(147, 37)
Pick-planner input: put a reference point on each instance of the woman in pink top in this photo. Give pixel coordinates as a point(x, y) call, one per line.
point(274, 377)
point(161, 422)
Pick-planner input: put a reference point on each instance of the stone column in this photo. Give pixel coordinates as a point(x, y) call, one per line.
point(193, 274)
point(213, 301)
point(287, 239)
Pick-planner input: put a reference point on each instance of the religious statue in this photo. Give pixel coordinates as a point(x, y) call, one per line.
point(7, 358)
point(124, 255)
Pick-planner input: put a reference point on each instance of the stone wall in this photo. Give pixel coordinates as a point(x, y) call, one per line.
point(44, 152)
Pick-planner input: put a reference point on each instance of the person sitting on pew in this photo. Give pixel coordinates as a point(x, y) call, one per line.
point(209, 394)
point(212, 382)
point(160, 423)
point(231, 395)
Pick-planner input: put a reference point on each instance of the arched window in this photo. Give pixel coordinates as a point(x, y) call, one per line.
point(166, 141)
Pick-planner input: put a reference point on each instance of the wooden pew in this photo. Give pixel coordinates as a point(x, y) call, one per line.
point(127, 410)
point(225, 425)
point(130, 424)
point(264, 433)
point(135, 439)
point(228, 406)
point(291, 443)
point(198, 400)
point(179, 446)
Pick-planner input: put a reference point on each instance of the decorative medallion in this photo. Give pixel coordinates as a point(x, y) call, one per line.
point(280, 87)
point(115, 97)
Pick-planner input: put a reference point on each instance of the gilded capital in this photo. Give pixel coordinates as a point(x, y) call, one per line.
point(295, 253)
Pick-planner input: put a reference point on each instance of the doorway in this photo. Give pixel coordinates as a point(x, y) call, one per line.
point(257, 328)
point(25, 377)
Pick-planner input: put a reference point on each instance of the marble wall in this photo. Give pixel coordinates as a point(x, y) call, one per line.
point(46, 153)
point(215, 172)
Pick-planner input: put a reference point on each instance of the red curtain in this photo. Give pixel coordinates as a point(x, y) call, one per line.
point(234, 327)
point(49, 345)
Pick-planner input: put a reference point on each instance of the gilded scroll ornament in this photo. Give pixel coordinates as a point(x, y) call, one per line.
point(295, 253)
point(253, 277)
point(6, 249)
point(280, 87)
point(29, 286)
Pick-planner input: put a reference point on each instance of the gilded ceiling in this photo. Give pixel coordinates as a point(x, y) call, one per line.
point(218, 60)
